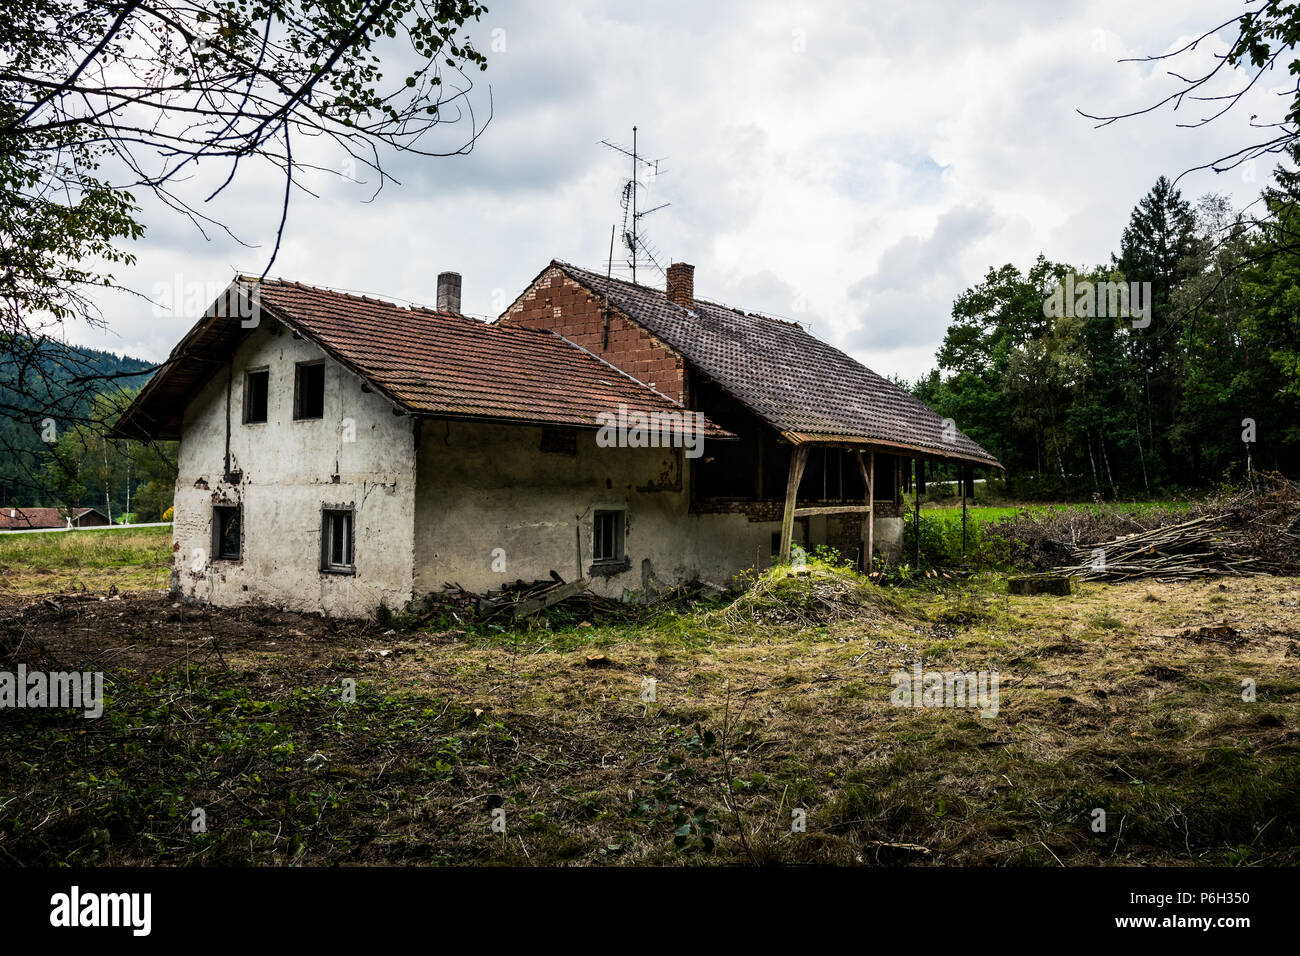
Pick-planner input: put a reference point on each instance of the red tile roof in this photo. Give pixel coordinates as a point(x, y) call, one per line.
point(429, 363)
point(16, 519)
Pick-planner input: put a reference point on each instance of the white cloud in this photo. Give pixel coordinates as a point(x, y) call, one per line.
point(862, 163)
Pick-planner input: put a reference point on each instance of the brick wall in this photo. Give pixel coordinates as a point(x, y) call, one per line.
point(844, 533)
point(558, 303)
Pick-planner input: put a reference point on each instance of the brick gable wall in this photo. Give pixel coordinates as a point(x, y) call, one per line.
point(558, 303)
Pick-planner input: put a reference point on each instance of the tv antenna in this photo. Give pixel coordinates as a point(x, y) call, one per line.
point(639, 248)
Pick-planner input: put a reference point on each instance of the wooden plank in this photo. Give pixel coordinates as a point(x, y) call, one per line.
point(831, 510)
point(798, 458)
point(962, 478)
point(553, 596)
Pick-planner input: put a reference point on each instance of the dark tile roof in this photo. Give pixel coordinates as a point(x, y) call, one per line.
point(806, 389)
point(430, 363)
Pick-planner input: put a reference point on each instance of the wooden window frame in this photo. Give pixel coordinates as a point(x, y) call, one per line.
point(327, 563)
point(266, 403)
point(619, 517)
point(218, 537)
point(298, 367)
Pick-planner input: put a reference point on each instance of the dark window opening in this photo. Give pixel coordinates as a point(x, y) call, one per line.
point(559, 441)
point(255, 392)
point(226, 532)
point(309, 391)
point(607, 545)
point(336, 540)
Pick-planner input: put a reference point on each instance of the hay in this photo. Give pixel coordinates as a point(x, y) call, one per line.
point(806, 597)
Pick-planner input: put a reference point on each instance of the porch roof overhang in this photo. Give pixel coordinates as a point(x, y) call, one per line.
point(863, 443)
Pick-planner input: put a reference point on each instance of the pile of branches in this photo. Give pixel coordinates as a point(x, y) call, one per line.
point(1051, 538)
point(1250, 532)
point(514, 599)
point(554, 598)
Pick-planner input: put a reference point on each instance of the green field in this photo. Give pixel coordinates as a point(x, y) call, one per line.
point(128, 559)
point(984, 514)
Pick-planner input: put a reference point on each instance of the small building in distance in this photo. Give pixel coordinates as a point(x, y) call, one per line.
point(51, 519)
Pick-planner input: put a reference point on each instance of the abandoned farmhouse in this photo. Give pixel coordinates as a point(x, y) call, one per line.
point(339, 452)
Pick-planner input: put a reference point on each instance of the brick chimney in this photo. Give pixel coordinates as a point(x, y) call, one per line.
point(681, 284)
point(448, 291)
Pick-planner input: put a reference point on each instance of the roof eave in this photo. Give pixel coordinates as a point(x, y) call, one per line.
point(920, 451)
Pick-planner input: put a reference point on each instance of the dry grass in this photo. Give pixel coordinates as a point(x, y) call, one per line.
point(1110, 698)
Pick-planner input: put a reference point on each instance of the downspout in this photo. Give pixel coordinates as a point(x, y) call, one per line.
point(230, 379)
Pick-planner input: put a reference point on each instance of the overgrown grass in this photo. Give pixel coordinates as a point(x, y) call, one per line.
point(200, 765)
point(985, 544)
point(983, 514)
point(776, 702)
point(132, 559)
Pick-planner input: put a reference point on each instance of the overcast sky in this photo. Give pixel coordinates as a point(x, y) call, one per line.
point(853, 166)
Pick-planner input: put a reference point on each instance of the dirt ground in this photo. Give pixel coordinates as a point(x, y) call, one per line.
point(770, 738)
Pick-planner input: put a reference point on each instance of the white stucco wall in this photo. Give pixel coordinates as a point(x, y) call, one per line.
point(290, 469)
point(427, 511)
point(482, 487)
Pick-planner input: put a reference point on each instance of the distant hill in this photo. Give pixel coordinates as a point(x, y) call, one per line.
point(20, 439)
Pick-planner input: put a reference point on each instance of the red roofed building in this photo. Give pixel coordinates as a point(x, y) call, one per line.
point(32, 519)
point(340, 452)
point(826, 447)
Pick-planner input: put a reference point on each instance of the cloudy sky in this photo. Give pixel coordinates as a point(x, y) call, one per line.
point(854, 166)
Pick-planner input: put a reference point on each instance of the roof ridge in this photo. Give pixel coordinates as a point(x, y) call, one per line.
point(744, 313)
point(411, 305)
point(635, 285)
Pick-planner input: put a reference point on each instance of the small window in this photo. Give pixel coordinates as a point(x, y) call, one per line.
point(255, 386)
point(226, 532)
point(608, 537)
point(309, 390)
point(336, 540)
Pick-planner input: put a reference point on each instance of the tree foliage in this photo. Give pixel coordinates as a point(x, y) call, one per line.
point(1077, 405)
point(106, 102)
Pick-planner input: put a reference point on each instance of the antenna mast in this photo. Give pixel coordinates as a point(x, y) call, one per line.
point(638, 247)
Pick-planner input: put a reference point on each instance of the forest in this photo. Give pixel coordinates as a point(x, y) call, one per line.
point(1201, 389)
point(56, 408)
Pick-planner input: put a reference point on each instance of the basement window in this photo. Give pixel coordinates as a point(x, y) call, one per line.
point(226, 533)
point(309, 390)
point(255, 391)
point(607, 538)
point(336, 540)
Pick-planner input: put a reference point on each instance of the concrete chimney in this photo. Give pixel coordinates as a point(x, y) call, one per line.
point(448, 291)
point(681, 284)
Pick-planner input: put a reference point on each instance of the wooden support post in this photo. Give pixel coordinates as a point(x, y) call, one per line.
point(798, 458)
point(961, 476)
point(916, 523)
point(869, 480)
